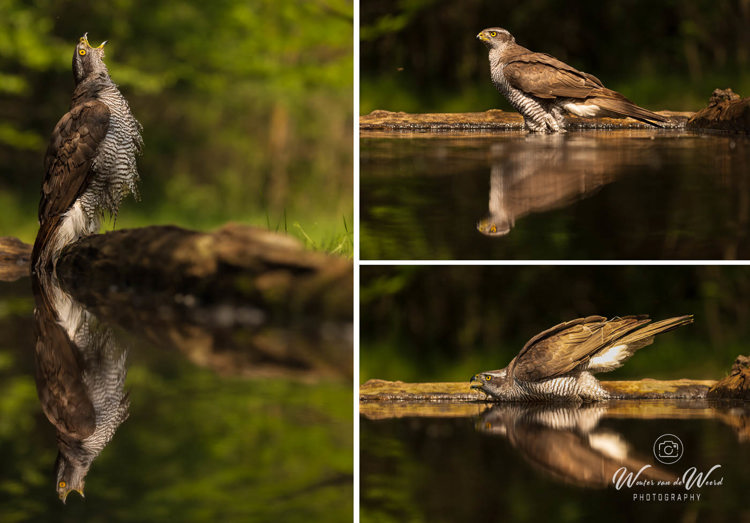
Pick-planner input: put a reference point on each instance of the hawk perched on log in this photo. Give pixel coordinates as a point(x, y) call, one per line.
point(559, 363)
point(541, 87)
point(90, 163)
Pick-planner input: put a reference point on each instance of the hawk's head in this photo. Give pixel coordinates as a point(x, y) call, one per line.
point(490, 382)
point(496, 37)
point(494, 226)
point(87, 60)
point(70, 476)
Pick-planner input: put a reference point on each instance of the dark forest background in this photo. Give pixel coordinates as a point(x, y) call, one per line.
point(422, 55)
point(246, 108)
point(447, 323)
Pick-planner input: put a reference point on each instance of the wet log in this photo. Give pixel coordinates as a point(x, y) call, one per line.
point(726, 111)
point(240, 300)
point(15, 257)
point(398, 391)
point(235, 264)
point(737, 384)
point(497, 120)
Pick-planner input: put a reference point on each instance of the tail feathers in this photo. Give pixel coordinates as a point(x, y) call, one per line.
point(615, 103)
point(622, 349)
point(658, 327)
point(41, 254)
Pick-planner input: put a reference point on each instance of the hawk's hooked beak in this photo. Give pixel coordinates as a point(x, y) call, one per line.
point(483, 37)
point(85, 40)
point(64, 497)
point(476, 382)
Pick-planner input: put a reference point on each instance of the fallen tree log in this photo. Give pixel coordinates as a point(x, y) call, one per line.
point(726, 111)
point(15, 257)
point(658, 399)
point(393, 391)
point(234, 264)
point(495, 119)
point(737, 384)
point(240, 300)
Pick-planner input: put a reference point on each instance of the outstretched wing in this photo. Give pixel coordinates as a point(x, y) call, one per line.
point(544, 76)
point(564, 347)
point(71, 151)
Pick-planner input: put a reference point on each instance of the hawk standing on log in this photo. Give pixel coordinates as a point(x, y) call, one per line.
point(541, 87)
point(90, 163)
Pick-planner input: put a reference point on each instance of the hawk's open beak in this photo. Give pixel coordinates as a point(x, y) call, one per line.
point(85, 40)
point(64, 497)
point(475, 382)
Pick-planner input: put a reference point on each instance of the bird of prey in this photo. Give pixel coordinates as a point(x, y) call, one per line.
point(90, 164)
point(80, 375)
point(541, 87)
point(559, 363)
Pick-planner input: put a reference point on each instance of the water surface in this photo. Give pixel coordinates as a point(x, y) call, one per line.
point(188, 436)
point(516, 463)
point(628, 194)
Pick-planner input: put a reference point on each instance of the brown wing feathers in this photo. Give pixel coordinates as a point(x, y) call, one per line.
point(68, 160)
point(562, 348)
point(543, 76)
point(67, 164)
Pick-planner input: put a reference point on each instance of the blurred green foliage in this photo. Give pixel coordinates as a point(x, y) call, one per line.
point(447, 323)
point(246, 109)
point(422, 55)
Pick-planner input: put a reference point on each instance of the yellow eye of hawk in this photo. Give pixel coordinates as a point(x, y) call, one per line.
point(493, 34)
point(62, 484)
point(488, 378)
point(82, 52)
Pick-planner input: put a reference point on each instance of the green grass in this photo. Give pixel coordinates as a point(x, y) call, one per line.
point(328, 233)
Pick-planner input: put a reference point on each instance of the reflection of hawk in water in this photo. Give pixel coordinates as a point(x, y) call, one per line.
point(566, 444)
point(559, 363)
point(544, 175)
point(90, 162)
point(542, 88)
point(80, 377)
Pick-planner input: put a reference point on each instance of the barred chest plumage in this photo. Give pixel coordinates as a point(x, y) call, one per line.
point(528, 106)
point(583, 386)
point(115, 162)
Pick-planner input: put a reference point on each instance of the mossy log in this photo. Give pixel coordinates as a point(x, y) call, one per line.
point(726, 111)
point(234, 264)
point(380, 390)
point(240, 300)
point(737, 384)
point(677, 399)
point(15, 257)
point(495, 119)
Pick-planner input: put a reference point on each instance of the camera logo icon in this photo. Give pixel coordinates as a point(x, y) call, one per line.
point(668, 449)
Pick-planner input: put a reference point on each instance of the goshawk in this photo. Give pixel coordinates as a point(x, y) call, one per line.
point(90, 163)
point(541, 87)
point(559, 363)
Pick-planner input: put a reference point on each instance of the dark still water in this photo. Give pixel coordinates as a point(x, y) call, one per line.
point(547, 464)
point(629, 194)
point(164, 411)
